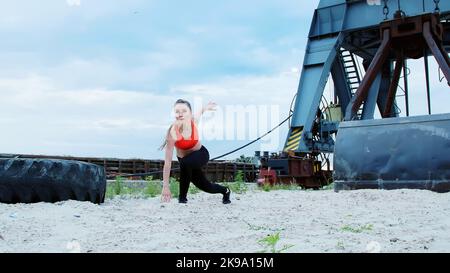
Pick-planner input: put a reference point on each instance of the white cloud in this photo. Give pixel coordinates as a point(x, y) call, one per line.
point(42, 118)
point(140, 68)
point(56, 14)
point(245, 89)
point(39, 117)
point(73, 2)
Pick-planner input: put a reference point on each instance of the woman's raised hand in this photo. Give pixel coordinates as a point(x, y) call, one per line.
point(211, 106)
point(166, 195)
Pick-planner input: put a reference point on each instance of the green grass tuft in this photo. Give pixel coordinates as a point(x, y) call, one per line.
point(270, 243)
point(357, 229)
point(290, 187)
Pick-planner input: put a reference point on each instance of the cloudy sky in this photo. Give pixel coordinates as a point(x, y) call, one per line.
point(99, 77)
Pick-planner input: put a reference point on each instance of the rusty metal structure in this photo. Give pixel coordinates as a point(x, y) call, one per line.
point(283, 168)
point(397, 150)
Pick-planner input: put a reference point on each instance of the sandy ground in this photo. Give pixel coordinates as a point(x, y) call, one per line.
point(308, 221)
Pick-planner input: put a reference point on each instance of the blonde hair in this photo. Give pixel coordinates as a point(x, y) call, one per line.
point(168, 131)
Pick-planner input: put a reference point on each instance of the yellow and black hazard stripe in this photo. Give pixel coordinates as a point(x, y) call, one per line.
point(294, 139)
point(317, 167)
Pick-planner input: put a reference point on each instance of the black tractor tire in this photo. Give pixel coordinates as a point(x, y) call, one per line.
point(47, 180)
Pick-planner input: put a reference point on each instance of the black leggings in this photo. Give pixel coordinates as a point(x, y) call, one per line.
point(191, 170)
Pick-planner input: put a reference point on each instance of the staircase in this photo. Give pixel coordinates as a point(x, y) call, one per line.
point(351, 74)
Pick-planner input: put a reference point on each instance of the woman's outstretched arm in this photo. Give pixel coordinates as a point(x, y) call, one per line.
point(166, 194)
point(210, 106)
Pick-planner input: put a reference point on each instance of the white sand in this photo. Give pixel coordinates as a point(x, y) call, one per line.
point(311, 221)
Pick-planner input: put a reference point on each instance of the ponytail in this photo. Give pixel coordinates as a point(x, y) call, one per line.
point(165, 140)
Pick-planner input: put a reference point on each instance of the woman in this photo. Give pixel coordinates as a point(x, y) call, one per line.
point(191, 154)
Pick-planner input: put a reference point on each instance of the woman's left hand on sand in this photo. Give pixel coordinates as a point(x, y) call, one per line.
point(166, 195)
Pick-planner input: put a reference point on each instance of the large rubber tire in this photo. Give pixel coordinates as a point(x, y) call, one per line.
point(46, 180)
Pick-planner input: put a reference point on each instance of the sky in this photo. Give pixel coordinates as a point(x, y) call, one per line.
point(99, 78)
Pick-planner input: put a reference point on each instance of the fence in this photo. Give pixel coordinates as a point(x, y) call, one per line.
point(217, 170)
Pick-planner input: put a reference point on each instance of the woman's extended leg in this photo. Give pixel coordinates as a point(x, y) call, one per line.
point(199, 180)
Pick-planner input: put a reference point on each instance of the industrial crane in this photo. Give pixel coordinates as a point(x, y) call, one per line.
point(391, 152)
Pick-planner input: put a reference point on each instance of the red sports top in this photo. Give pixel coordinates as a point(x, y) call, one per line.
point(186, 144)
